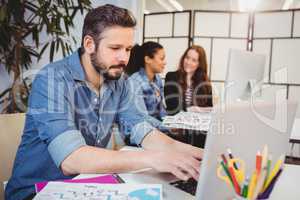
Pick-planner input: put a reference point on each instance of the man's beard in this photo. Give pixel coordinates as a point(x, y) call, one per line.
point(105, 72)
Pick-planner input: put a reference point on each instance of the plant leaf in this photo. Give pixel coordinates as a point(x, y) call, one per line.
point(57, 44)
point(43, 50)
point(52, 48)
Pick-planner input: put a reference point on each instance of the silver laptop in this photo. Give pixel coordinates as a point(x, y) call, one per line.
point(244, 128)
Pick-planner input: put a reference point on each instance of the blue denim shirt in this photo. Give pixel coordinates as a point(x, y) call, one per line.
point(151, 92)
point(65, 114)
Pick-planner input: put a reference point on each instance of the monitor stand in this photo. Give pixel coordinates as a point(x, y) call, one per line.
point(253, 90)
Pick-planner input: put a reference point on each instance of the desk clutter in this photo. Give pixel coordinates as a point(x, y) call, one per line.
point(189, 120)
point(262, 180)
point(106, 187)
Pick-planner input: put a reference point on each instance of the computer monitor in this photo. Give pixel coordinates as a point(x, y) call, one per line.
point(245, 74)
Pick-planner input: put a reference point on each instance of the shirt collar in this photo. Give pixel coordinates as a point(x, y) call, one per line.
point(145, 77)
point(75, 66)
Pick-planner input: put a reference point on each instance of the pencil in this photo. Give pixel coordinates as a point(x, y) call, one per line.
point(245, 188)
point(276, 168)
point(224, 159)
point(268, 171)
point(269, 189)
point(234, 180)
point(258, 162)
point(225, 168)
point(231, 157)
point(252, 185)
point(260, 182)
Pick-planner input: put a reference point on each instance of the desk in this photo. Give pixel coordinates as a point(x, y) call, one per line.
point(286, 188)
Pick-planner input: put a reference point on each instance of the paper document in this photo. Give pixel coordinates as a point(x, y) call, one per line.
point(94, 191)
point(189, 120)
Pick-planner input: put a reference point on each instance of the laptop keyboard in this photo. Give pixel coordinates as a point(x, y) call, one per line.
point(189, 186)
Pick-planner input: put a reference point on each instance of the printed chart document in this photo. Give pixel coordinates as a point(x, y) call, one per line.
point(93, 191)
point(189, 120)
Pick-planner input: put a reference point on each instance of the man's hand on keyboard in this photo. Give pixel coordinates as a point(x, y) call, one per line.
point(183, 165)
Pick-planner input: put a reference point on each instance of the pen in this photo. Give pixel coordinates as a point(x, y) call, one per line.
point(231, 157)
point(119, 179)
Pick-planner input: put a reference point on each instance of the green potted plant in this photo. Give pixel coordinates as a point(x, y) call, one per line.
point(25, 20)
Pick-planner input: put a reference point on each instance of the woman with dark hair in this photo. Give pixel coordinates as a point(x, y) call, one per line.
point(189, 86)
point(145, 63)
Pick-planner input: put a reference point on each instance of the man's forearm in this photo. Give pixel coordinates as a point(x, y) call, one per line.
point(90, 159)
point(184, 158)
point(157, 140)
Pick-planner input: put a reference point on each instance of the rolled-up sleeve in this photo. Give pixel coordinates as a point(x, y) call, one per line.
point(64, 144)
point(52, 112)
point(133, 116)
point(139, 132)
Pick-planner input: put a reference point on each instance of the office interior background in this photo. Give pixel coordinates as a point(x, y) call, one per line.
point(270, 27)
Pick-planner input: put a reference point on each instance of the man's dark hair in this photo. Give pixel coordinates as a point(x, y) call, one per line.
point(102, 17)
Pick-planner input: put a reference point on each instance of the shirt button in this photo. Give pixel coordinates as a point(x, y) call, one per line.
point(98, 141)
point(95, 100)
point(100, 119)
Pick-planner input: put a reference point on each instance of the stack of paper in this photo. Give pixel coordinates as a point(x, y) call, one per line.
point(189, 120)
point(93, 191)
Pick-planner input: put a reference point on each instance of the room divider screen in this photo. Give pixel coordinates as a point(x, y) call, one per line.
point(273, 33)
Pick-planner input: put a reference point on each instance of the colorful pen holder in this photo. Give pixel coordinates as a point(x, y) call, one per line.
point(261, 183)
point(238, 197)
